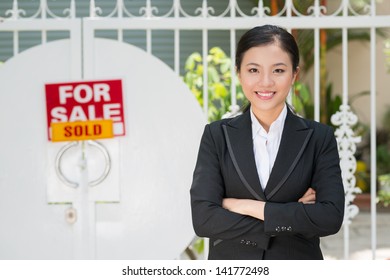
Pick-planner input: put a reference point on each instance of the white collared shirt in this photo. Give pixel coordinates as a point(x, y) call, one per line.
point(266, 145)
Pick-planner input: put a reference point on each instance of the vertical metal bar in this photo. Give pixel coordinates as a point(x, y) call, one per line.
point(120, 35)
point(346, 241)
point(16, 42)
point(149, 41)
point(232, 68)
point(232, 57)
point(177, 41)
point(43, 16)
point(43, 36)
point(373, 132)
point(317, 74)
point(88, 49)
point(291, 92)
point(177, 51)
point(373, 140)
point(205, 72)
point(345, 65)
point(76, 49)
point(119, 5)
point(345, 102)
point(289, 8)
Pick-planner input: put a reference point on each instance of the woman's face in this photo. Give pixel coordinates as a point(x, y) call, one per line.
point(266, 76)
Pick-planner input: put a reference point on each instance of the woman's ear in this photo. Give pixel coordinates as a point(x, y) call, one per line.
point(238, 74)
point(296, 72)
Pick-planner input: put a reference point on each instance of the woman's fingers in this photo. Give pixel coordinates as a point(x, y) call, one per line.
point(309, 197)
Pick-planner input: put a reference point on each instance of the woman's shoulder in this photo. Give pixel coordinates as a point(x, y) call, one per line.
point(220, 123)
point(319, 129)
point(228, 121)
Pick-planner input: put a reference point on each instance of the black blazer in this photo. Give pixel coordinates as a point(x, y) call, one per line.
point(225, 167)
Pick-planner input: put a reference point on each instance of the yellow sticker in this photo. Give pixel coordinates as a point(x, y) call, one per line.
point(77, 131)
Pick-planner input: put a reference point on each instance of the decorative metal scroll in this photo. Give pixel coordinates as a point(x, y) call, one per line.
point(177, 11)
point(345, 119)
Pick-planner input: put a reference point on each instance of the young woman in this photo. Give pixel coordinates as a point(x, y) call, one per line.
point(267, 184)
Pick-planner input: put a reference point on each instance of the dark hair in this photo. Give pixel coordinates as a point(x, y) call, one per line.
point(266, 35)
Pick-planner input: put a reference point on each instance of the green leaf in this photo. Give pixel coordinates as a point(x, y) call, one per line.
point(297, 104)
point(199, 245)
point(220, 90)
point(225, 66)
point(192, 60)
point(213, 75)
point(217, 54)
point(305, 94)
point(199, 70)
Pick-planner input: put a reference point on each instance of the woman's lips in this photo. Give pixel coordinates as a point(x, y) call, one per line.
point(265, 95)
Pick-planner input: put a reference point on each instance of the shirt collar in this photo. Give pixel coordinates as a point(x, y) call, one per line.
point(277, 125)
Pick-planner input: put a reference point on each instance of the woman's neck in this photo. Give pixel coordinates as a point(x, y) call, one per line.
point(266, 118)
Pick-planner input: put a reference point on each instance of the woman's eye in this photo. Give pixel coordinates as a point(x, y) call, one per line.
point(279, 71)
point(253, 70)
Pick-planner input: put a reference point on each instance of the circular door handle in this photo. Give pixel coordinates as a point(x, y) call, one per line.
point(107, 160)
point(71, 145)
point(58, 169)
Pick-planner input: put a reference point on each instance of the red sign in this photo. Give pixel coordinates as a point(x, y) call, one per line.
point(85, 101)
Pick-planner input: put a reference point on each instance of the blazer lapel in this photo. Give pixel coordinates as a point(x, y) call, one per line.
point(238, 133)
point(295, 138)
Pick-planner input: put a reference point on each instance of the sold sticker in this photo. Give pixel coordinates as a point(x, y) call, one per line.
point(84, 110)
point(77, 131)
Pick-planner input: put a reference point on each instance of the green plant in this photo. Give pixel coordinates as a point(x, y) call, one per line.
point(383, 145)
point(382, 149)
point(384, 197)
point(384, 192)
point(387, 54)
point(304, 105)
point(219, 81)
point(302, 101)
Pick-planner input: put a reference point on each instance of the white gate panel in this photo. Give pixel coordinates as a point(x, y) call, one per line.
point(31, 227)
point(134, 216)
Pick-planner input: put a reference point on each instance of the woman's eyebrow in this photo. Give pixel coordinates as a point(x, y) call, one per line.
point(252, 63)
point(280, 64)
point(258, 65)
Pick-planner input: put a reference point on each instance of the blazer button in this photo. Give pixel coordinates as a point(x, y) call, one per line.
point(284, 228)
point(243, 241)
point(289, 228)
point(277, 229)
point(254, 244)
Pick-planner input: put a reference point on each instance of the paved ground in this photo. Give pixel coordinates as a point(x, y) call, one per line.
point(360, 239)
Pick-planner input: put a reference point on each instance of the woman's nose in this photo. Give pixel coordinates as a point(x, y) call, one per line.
point(266, 80)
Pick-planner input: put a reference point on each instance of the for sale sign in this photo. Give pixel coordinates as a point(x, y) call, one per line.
point(84, 110)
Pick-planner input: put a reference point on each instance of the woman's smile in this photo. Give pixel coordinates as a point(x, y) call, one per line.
point(265, 95)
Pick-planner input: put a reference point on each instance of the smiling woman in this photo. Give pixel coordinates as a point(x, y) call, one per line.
point(266, 78)
point(267, 184)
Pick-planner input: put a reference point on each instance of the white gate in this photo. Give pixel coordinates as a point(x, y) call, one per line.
point(233, 19)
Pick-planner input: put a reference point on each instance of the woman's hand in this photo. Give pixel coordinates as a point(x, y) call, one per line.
point(309, 197)
point(249, 207)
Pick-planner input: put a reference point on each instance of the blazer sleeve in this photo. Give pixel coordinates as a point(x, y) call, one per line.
point(209, 218)
point(325, 216)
